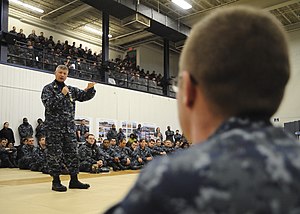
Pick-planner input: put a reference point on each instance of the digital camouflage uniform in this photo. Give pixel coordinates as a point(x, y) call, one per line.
point(134, 164)
point(8, 157)
point(154, 151)
point(143, 154)
point(39, 131)
point(177, 137)
point(39, 160)
point(60, 127)
point(123, 154)
point(109, 155)
point(82, 129)
point(159, 148)
point(89, 154)
point(113, 147)
point(27, 159)
point(25, 130)
point(244, 167)
point(120, 136)
point(112, 134)
point(168, 150)
point(169, 135)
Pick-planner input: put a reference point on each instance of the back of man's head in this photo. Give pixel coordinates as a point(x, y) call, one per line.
point(239, 58)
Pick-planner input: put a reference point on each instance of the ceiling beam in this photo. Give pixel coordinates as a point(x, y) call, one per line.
point(276, 6)
point(72, 13)
point(48, 25)
point(57, 9)
point(292, 27)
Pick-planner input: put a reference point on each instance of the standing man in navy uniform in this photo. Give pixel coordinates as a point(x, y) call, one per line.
point(59, 101)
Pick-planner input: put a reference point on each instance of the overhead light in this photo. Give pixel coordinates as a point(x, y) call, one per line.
point(93, 30)
point(28, 6)
point(183, 4)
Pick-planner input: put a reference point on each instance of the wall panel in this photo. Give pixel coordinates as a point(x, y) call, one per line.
point(290, 106)
point(20, 91)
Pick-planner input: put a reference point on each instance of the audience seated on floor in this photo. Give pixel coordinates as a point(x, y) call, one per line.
point(115, 153)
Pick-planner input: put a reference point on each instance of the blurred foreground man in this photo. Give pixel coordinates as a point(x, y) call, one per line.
point(233, 71)
point(59, 101)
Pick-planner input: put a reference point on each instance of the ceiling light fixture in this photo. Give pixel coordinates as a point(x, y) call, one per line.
point(183, 4)
point(93, 30)
point(30, 7)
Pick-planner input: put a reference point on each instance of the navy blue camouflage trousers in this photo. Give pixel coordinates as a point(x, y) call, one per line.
point(62, 152)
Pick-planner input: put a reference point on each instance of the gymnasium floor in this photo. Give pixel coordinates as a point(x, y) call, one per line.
point(23, 192)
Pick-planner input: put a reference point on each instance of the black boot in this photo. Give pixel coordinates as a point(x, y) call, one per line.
point(76, 184)
point(57, 186)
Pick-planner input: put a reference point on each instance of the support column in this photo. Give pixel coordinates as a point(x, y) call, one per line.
point(166, 68)
point(3, 28)
point(105, 31)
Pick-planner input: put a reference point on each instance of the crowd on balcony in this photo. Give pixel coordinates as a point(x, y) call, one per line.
point(44, 53)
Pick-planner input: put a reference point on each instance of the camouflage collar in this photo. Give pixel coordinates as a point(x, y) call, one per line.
point(240, 123)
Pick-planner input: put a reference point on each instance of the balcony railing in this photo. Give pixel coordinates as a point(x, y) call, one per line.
point(45, 59)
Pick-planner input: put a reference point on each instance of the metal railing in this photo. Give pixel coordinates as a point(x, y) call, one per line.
point(45, 59)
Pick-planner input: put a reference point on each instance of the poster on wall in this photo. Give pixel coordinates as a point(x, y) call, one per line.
point(148, 130)
point(128, 127)
point(104, 126)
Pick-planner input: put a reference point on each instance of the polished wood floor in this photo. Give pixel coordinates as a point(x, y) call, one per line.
point(23, 192)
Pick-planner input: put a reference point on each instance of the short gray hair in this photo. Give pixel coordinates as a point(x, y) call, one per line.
point(62, 67)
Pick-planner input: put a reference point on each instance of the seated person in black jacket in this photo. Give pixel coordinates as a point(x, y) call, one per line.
point(27, 149)
point(90, 157)
point(7, 154)
point(39, 157)
point(123, 154)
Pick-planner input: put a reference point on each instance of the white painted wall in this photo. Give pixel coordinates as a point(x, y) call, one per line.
point(20, 92)
point(290, 107)
point(153, 59)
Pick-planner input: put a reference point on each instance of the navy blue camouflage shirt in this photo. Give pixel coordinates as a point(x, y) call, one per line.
point(60, 108)
point(246, 166)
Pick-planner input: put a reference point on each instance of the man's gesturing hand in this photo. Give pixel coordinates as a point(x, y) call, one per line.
point(90, 85)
